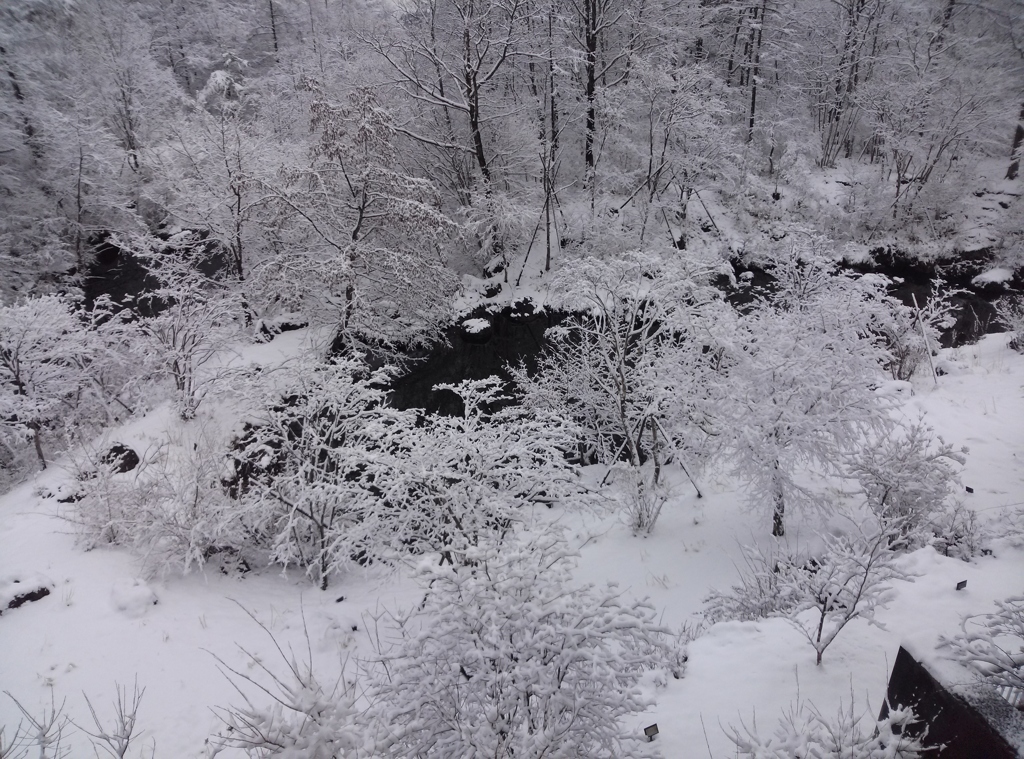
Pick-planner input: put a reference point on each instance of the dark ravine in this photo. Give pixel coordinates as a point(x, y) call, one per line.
point(912, 278)
point(515, 335)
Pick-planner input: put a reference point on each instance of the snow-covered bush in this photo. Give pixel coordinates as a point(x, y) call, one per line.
point(627, 368)
point(757, 595)
point(357, 480)
point(643, 497)
point(1011, 313)
point(956, 531)
point(506, 658)
point(909, 475)
point(331, 439)
point(804, 731)
point(171, 510)
point(44, 734)
point(993, 644)
point(911, 334)
point(463, 478)
point(303, 718)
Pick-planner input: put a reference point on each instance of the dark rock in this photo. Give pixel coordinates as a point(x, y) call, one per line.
point(30, 595)
point(120, 458)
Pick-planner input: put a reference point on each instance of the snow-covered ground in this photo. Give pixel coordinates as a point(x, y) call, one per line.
point(106, 624)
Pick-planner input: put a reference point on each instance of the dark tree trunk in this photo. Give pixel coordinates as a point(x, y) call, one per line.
point(1015, 149)
point(779, 506)
point(590, 22)
point(273, 25)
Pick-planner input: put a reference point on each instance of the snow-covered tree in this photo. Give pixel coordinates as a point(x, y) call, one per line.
point(319, 452)
point(367, 242)
point(50, 371)
point(628, 368)
point(849, 580)
point(506, 658)
point(799, 383)
point(466, 478)
point(188, 318)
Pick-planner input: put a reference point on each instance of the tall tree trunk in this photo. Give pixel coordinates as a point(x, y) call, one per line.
point(1015, 148)
point(755, 70)
point(273, 26)
point(472, 88)
point(590, 22)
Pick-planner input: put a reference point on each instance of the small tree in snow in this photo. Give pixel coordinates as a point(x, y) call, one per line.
point(849, 581)
point(188, 318)
point(504, 658)
point(460, 479)
point(358, 480)
point(818, 595)
point(60, 368)
point(797, 390)
point(629, 368)
point(40, 372)
point(803, 731)
point(327, 441)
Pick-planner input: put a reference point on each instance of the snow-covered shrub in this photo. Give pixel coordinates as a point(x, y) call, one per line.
point(956, 531)
point(463, 478)
point(1011, 313)
point(44, 734)
point(357, 480)
point(506, 658)
point(60, 371)
point(757, 595)
point(993, 644)
point(910, 334)
point(804, 731)
point(303, 717)
point(643, 497)
point(171, 510)
point(908, 475)
point(332, 439)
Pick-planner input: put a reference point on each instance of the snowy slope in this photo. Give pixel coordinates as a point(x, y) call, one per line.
point(104, 623)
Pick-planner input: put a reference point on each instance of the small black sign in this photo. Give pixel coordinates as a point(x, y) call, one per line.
point(961, 585)
point(650, 731)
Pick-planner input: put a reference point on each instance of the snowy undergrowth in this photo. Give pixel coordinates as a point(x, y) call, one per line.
point(106, 623)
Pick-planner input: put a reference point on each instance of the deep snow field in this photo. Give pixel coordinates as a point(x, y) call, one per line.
point(106, 623)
